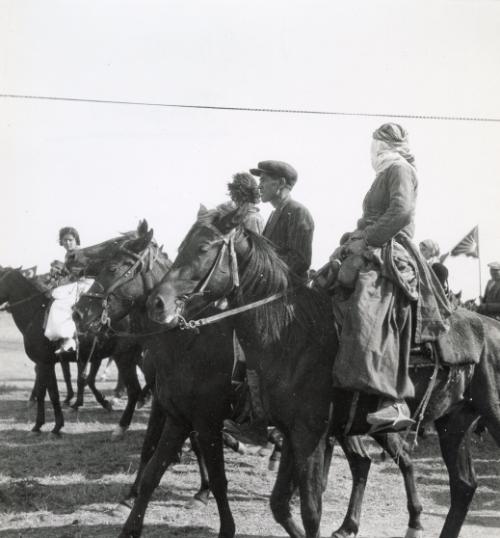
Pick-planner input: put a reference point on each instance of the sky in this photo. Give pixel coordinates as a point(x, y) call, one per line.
point(102, 167)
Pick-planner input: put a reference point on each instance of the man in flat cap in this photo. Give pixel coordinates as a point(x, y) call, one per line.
point(490, 302)
point(290, 226)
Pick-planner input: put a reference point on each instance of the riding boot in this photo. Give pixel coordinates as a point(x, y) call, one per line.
point(393, 414)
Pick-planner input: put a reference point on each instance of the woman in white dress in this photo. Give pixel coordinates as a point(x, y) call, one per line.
point(60, 325)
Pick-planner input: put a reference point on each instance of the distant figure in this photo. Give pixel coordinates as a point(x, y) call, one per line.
point(490, 302)
point(60, 325)
point(430, 251)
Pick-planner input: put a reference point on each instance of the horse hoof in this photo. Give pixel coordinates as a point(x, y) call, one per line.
point(56, 435)
point(118, 433)
point(195, 504)
point(30, 404)
point(34, 433)
point(108, 405)
point(122, 509)
point(414, 533)
point(344, 534)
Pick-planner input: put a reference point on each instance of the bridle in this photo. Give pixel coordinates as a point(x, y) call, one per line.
point(143, 260)
point(227, 242)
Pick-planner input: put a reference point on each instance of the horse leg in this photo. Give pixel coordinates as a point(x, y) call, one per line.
point(359, 463)
point(212, 450)
point(394, 445)
point(126, 365)
point(41, 389)
point(98, 395)
point(203, 493)
point(454, 432)
point(53, 391)
point(171, 440)
point(156, 423)
point(327, 461)
point(282, 492)
point(309, 458)
point(80, 386)
point(276, 438)
point(67, 380)
point(34, 391)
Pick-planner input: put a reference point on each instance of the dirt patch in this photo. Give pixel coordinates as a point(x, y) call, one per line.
point(70, 487)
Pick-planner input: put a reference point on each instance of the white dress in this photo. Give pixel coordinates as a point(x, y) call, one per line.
point(60, 323)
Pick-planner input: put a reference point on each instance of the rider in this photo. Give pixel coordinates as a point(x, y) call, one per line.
point(244, 190)
point(490, 302)
point(60, 325)
point(290, 226)
point(430, 251)
point(381, 278)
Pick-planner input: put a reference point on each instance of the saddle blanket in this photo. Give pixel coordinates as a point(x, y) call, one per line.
point(463, 343)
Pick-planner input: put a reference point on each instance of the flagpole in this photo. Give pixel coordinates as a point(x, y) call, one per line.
point(479, 263)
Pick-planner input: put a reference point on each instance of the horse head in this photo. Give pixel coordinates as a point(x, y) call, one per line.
point(130, 272)
point(206, 267)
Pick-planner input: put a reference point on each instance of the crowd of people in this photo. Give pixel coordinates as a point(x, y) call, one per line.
point(389, 295)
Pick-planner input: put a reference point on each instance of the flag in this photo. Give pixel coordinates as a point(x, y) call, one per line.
point(468, 246)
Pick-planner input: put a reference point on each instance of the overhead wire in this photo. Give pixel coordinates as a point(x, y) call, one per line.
point(439, 117)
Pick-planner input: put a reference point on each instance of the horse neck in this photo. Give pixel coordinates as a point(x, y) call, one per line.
point(24, 312)
point(263, 274)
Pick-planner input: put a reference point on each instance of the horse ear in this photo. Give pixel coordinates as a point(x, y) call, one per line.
point(142, 228)
point(232, 219)
point(142, 242)
point(202, 211)
point(459, 295)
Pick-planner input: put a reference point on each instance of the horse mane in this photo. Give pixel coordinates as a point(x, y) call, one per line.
point(264, 273)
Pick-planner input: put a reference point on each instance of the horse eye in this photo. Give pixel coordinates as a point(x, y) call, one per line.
point(112, 268)
point(204, 247)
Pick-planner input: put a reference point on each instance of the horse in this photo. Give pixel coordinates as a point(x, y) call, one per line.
point(192, 394)
point(28, 305)
point(287, 330)
point(120, 291)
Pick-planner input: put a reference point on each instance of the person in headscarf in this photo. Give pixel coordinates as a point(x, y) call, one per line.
point(430, 251)
point(381, 278)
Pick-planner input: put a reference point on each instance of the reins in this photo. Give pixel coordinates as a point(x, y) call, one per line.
point(195, 323)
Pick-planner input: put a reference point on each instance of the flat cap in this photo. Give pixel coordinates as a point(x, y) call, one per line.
point(494, 265)
point(276, 169)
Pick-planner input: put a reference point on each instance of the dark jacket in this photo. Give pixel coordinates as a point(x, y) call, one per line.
point(290, 227)
point(490, 305)
point(389, 206)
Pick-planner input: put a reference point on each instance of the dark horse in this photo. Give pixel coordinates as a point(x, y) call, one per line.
point(120, 291)
point(28, 305)
point(192, 395)
point(292, 341)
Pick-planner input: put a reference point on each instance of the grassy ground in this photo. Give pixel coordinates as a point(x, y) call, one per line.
point(69, 487)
